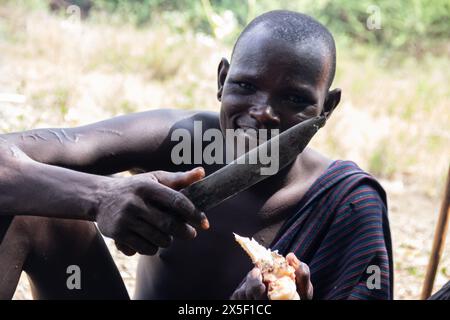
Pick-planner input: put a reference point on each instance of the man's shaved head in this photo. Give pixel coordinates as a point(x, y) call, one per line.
point(297, 28)
point(281, 70)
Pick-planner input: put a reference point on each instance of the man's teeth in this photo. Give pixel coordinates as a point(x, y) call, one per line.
point(250, 131)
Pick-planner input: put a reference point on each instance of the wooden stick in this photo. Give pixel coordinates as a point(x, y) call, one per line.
point(438, 242)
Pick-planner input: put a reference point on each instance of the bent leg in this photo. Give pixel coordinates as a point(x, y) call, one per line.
point(45, 248)
point(14, 248)
point(64, 243)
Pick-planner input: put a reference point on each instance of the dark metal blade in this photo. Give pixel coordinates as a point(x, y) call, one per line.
point(239, 175)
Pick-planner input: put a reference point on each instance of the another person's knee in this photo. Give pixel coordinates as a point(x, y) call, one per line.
point(59, 236)
point(15, 232)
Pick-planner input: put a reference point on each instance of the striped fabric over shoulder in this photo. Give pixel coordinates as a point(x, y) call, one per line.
point(341, 231)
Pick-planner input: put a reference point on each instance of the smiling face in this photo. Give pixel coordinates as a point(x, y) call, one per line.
point(274, 83)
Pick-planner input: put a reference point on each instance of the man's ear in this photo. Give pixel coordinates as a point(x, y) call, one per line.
point(331, 102)
point(222, 72)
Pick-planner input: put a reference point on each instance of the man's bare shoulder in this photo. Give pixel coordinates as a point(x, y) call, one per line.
point(156, 126)
point(187, 118)
point(155, 130)
point(178, 118)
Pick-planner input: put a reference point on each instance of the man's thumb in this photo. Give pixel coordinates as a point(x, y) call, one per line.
point(179, 180)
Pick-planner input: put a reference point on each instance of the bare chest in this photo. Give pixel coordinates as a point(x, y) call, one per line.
point(257, 215)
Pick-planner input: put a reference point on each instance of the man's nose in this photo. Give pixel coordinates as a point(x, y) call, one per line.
point(266, 116)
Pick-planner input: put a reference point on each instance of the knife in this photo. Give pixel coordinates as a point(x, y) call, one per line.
point(240, 175)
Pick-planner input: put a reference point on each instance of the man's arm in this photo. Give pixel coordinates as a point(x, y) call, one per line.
point(28, 187)
point(106, 147)
point(142, 212)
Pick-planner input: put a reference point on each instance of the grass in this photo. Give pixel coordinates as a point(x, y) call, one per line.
point(396, 115)
point(393, 119)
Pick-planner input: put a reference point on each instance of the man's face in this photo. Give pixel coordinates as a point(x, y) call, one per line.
point(271, 83)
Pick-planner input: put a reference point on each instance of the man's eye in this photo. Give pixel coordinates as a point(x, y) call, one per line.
point(245, 85)
point(295, 99)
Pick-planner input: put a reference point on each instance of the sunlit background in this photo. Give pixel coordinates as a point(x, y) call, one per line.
point(66, 63)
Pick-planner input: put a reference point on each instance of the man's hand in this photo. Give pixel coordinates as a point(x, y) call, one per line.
point(145, 212)
point(253, 288)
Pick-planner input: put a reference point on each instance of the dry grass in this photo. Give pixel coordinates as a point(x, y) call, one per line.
point(394, 119)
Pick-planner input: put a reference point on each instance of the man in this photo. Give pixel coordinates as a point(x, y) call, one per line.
point(329, 215)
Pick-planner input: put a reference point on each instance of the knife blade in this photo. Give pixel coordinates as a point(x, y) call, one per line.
point(240, 174)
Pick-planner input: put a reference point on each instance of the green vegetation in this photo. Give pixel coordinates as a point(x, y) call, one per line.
point(402, 23)
point(140, 54)
point(415, 24)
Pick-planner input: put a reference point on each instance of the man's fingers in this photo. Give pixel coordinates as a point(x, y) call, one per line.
point(175, 203)
point(164, 224)
point(252, 288)
point(257, 292)
point(179, 180)
point(145, 232)
point(126, 250)
point(147, 225)
point(292, 260)
point(152, 234)
point(239, 294)
point(255, 288)
point(304, 285)
point(141, 245)
point(254, 276)
point(302, 277)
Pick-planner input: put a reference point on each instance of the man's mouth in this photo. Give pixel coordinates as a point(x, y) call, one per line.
point(247, 129)
point(252, 130)
point(239, 123)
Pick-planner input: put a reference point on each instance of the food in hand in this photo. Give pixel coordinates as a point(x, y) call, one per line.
point(276, 272)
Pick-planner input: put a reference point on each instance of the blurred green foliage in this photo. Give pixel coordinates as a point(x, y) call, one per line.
point(392, 24)
point(401, 23)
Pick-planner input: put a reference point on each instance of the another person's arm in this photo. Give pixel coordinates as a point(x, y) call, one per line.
point(142, 212)
point(106, 147)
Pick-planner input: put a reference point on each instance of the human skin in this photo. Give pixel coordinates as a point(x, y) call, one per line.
point(258, 90)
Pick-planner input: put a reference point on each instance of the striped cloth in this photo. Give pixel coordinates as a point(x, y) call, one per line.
point(341, 231)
